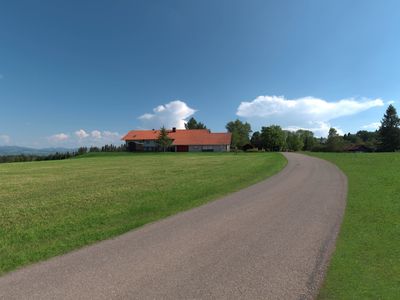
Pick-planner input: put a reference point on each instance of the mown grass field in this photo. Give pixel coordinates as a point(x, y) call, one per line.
point(366, 263)
point(48, 208)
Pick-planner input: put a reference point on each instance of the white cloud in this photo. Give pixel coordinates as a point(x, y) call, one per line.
point(5, 139)
point(372, 126)
point(81, 134)
point(307, 113)
point(172, 114)
point(319, 128)
point(96, 134)
point(109, 134)
point(82, 137)
point(59, 137)
point(105, 136)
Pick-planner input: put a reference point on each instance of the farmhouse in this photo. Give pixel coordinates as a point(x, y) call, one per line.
point(190, 140)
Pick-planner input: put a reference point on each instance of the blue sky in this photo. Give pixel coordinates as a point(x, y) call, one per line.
point(86, 72)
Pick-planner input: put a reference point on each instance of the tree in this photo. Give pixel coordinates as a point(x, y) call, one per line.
point(293, 141)
point(308, 139)
point(82, 150)
point(389, 131)
point(335, 142)
point(352, 138)
point(163, 140)
point(94, 149)
point(273, 138)
point(256, 140)
point(367, 136)
point(193, 124)
point(240, 133)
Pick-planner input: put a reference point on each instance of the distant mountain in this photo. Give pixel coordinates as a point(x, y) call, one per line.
point(15, 150)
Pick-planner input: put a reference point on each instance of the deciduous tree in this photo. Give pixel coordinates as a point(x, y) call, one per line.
point(293, 141)
point(335, 142)
point(273, 138)
point(193, 124)
point(256, 140)
point(308, 139)
point(240, 133)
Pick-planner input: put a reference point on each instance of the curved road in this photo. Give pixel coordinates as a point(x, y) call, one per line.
point(269, 241)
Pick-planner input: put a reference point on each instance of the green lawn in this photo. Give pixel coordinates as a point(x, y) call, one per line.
point(49, 208)
point(366, 263)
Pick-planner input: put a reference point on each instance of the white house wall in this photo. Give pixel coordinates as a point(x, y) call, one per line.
point(215, 148)
point(151, 145)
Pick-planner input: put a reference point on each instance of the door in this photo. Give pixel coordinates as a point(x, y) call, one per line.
point(182, 148)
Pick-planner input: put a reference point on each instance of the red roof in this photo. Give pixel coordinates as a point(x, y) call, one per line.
point(182, 136)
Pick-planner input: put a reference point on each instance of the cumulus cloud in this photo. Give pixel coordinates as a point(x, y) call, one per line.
point(372, 126)
point(84, 137)
point(99, 138)
point(110, 134)
point(307, 113)
point(5, 139)
point(105, 136)
point(59, 137)
point(172, 114)
point(318, 128)
point(96, 134)
point(81, 134)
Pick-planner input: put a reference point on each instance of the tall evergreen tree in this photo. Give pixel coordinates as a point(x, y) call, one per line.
point(163, 139)
point(389, 132)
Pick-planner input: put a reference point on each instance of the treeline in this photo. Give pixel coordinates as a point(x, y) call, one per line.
point(271, 138)
point(60, 156)
point(274, 138)
point(105, 148)
point(28, 157)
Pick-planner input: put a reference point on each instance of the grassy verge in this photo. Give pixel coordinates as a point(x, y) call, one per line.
point(48, 208)
point(366, 263)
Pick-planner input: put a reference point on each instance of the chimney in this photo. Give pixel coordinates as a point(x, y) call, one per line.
point(173, 129)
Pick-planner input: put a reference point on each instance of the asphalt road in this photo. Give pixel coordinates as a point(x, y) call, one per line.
point(272, 240)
